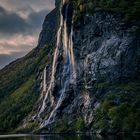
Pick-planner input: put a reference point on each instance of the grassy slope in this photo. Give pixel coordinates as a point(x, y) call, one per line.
point(19, 87)
point(17, 105)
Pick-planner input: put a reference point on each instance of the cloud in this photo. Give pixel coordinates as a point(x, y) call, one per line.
point(18, 43)
point(37, 5)
point(11, 22)
point(16, 47)
point(20, 25)
point(6, 59)
point(2, 10)
point(35, 19)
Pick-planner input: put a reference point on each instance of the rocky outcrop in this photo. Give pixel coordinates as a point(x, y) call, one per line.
point(107, 53)
point(49, 29)
point(106, 49)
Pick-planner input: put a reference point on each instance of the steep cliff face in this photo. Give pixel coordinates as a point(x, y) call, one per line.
point(50, 25)
point(107, 49)
point(106, 62)
point(86, 75)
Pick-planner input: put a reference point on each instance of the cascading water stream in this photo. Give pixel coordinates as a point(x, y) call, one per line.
point(51, 85)
point(69, 71)
point(44, 80)
point(72, 55)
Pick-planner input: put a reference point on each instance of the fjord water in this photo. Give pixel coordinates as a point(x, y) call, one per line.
point(66, 137)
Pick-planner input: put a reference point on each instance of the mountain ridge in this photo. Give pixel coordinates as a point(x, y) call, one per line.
point(107, 83)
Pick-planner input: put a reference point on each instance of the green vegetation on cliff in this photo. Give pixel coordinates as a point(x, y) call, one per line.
point(19, 88)
point(129, 9)
point(119, 110)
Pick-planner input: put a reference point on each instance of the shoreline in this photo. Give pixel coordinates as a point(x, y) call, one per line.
point(67, 133)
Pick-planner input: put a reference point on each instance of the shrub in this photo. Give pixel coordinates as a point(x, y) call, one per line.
point(80, 124)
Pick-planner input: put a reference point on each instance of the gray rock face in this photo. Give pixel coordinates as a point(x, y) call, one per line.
point(105, 51)
point(49, 28)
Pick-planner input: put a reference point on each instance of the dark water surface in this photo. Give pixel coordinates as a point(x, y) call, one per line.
point(66, 137)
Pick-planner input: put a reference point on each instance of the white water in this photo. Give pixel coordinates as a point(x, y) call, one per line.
point(44, 80)
point(72, 55)
point(51, 85)
point(69, 71)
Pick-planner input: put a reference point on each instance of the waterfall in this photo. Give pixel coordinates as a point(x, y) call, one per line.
point(51, 85)
point(44, 80)
point(68, 73)
point(72, 55)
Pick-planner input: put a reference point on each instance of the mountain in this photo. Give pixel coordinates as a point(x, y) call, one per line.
point(84, 75)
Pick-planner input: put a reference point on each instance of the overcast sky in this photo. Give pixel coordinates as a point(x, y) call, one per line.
point(20, 25)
